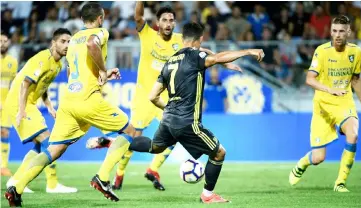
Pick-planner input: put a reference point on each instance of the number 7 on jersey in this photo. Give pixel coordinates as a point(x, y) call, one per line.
point(173, 67)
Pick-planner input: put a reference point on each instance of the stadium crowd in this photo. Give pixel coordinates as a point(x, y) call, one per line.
point(288, 22)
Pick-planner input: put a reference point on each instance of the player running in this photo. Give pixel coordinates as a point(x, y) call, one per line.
point(82, 106)
point(183, 77)
point(156, 48)
point(9, 68)
point(334, 69)
point(29, 85)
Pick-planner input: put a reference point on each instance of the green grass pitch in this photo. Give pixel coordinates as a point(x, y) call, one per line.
point(245, 184)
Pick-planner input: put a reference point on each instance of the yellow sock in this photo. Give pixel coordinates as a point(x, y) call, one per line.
point(305, 161)
point(5, 148)
point(114, 154)
point(124, 162)
point(37, 164)
point(159, 159)
point(347, 159)
point(25, 164)
point(51, 177)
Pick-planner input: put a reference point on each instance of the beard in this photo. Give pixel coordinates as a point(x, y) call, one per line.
point(4, 50)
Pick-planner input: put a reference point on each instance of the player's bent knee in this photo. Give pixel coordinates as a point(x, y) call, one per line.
point(57, 150)
point(221, 154)
point(318, 159)
point(4, 133)
point(130, 130)
point(157, 149)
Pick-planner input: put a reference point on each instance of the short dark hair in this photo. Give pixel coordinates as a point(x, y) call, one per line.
point(342, 19)
point(91, 11)
point(60, 31)
point(193, 31)
point(166, 9)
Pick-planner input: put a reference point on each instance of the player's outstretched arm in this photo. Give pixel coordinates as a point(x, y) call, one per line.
point(311, 80)
point(95, 51)
point(24, 92)
point(138, 15)
point(230, 66)
point(229, 56)
point(356, 85)
point(154, 96)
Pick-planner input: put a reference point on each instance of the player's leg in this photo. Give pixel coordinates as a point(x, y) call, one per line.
point(322, 134)
point(158, 159)
point(350, 128)
point(5, 149)
point(198, 141)
point(36, 166)
point(107, 117)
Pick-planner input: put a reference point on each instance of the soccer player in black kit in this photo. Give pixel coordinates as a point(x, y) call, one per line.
point(183, 77)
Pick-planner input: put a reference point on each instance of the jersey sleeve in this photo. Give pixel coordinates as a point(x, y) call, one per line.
point(161, 78)
point(358, 64)
point(145, 31)
point(200, 56)
point(34, 69)
point(316, 64)
point(103, 36)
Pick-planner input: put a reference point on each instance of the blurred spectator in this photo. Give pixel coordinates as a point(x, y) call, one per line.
point(32, 23)
point(7, 21)
point(31, 46)
point(194, 17)
point(258, 20)
point(20, 9)
point(43, 8)
point(320, 22)
point(126, 8)
point(223, 33)
point(213, 19)
point(288, 53)
point(299, 21)
point(63, 9)
point(215, 94)
point(50, 24)
point(282, 23)
point(180, 19)
point(224, 8)
point(74, 23)
point(271, 61)
point(237, 24)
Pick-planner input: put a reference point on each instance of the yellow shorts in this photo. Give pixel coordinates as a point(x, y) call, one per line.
point(5, 119)
point(74, 118)
point(143, 111)
point(30, 127)
point(324, 120)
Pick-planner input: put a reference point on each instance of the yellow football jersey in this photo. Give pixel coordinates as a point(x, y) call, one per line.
point(154, 53)
point(335, 70)
point(83, 78)
point(9, 67)
point(41, 69)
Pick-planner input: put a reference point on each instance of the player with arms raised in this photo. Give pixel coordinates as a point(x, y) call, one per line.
point(83, 106)
point(9, 67)
point(29, 85)
point(334, 69)
point(183, 77)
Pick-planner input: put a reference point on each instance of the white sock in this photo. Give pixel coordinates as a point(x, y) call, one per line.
point(207, 193)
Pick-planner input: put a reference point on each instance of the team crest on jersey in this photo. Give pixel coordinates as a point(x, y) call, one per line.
point(10, 65)
point(175, 46)
point(351, 58)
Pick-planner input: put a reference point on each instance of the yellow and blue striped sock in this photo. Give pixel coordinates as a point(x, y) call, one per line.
point(160, 158)
point(347, 160)
point(115, 152)
point(124, 162)
point(305, 161)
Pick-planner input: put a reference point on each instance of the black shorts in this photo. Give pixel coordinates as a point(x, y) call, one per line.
point(194, 138)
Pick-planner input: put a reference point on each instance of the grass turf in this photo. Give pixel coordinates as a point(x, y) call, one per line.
point(245, 184)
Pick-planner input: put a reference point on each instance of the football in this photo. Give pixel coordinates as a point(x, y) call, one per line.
point(191, 171)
